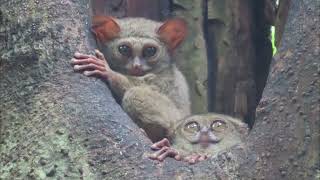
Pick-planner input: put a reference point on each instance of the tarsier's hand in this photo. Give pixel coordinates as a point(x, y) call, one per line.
point(91, 65)
point(195, 158)
point(163, 149)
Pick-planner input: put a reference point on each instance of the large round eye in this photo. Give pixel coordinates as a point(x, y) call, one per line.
point(219, 126)
point(149, 51)
point(125, 50)
point(192, 127)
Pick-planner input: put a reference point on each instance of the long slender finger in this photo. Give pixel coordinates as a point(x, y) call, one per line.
point(187, 158)
point(89, 66)
point(82, 56)
point(86, 61)
point(194, 159)
point(178, 157)
point(155, 155)
point(96, 73)
point(169, 153)
point(191, 159)
point(202, 157)
point(99, 55)
point(162, 143)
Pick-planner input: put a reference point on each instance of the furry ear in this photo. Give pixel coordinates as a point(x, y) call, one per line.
point(105, 28)
point(173, 32)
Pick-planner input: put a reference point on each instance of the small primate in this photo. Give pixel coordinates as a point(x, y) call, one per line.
point(200, 136)
point(140, 70)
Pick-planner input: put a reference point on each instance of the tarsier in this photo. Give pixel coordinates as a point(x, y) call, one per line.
point(140, 70)
point(141, 73)
point(198, 137)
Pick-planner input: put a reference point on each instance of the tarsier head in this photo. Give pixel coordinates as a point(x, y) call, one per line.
point(136, 46)
point(208, 133)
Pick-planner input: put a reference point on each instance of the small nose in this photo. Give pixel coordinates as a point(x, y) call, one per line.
point(137, 66)
point(204, 130)
point(136, 63)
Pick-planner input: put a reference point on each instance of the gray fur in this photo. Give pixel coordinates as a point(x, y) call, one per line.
point(157, 100)
point(234, 134)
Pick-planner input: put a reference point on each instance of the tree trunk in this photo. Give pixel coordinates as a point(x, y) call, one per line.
point(286, 132)
point(155, 10)
point(239, 53)
point(58, 124)
point(191, 56)
point(54, 122)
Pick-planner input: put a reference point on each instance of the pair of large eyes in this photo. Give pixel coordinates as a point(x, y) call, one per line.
point(217, 126)
point(147, 51)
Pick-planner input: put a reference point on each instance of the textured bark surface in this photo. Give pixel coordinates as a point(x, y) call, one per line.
point(286, 135)
point(56, 124)
point(281, 19)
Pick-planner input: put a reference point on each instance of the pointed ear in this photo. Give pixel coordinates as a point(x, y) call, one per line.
point(173, 32)
point(105, 28)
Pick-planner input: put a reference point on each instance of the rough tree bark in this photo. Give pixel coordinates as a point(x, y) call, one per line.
point(286, 134)
point(57, 124)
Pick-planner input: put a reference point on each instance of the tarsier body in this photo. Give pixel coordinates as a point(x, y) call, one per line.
point(200, 136)
point(142, 73)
